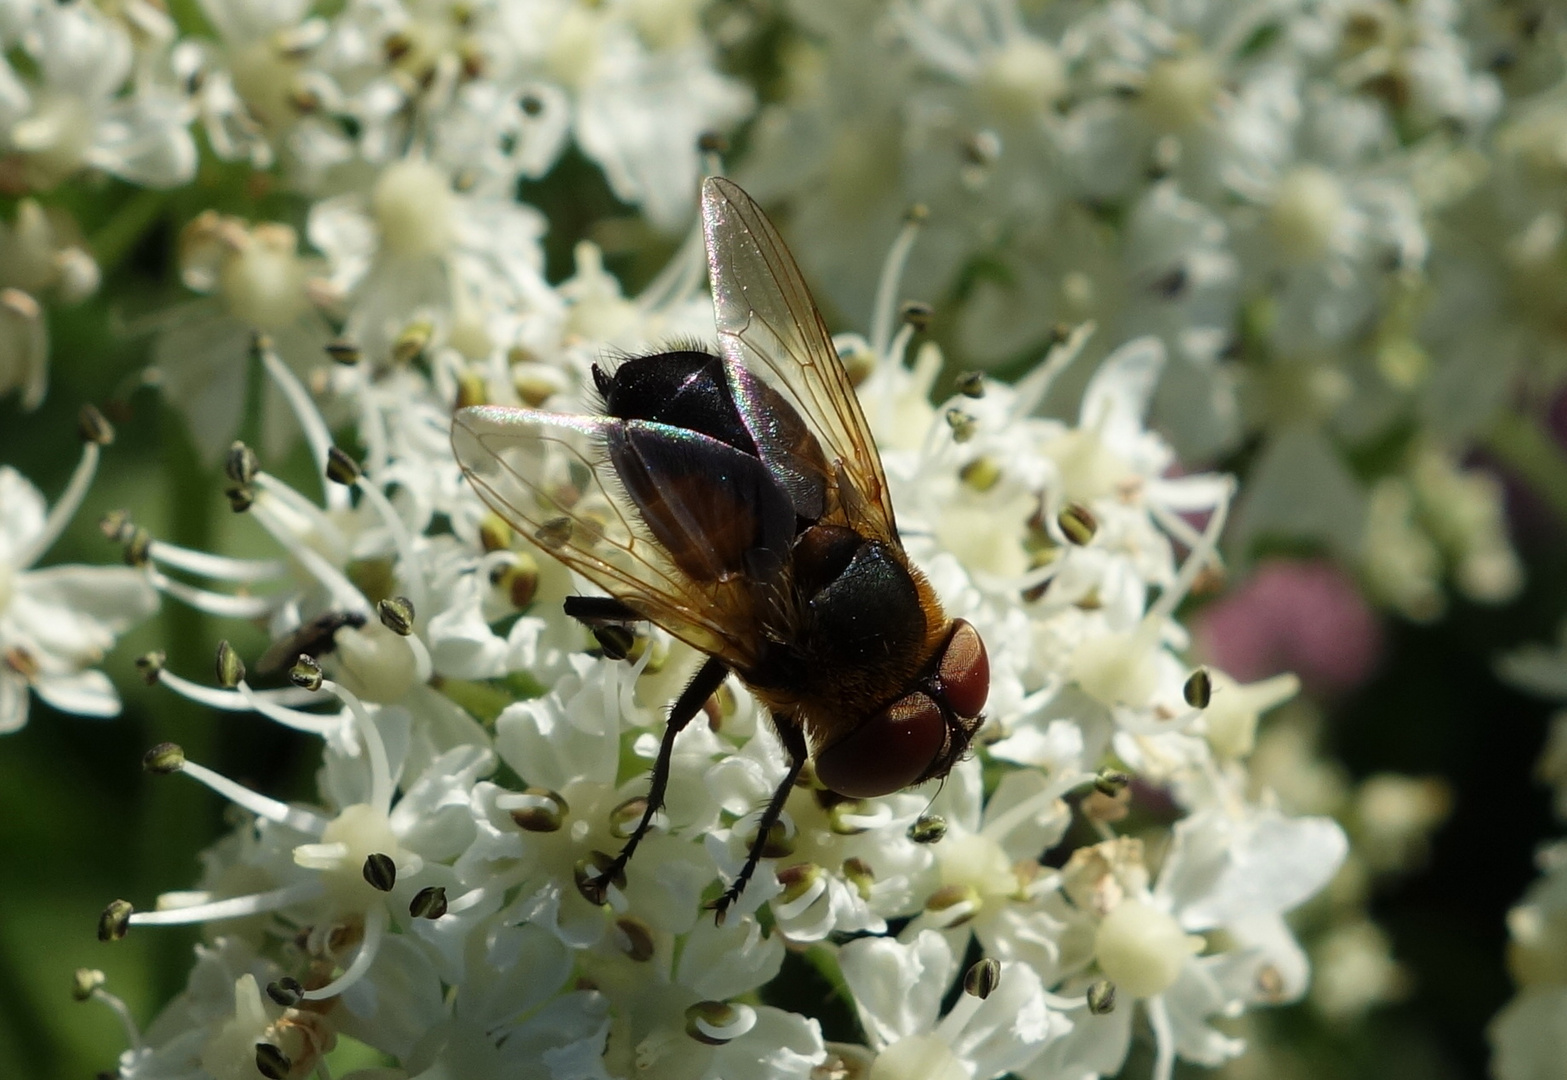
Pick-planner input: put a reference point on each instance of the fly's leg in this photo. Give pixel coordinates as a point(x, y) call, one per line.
point(793, 737)
point(709, 677)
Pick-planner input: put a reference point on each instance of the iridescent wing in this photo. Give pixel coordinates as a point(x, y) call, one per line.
point(545, 474)
point(768, 323)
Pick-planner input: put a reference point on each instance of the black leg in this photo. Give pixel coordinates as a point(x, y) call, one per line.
point(598, 610)
point(793, 737)
point(708, 678)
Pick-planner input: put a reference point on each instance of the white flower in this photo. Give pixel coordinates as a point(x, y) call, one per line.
point(56, 623)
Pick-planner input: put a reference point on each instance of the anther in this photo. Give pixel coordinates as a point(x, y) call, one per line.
point(858, 872)
point(797, 880)
point(163, 759)
point(138, 548)
point(615, 641)
point(240, 464)
point(638, 938)
point(962, 424)
point(545, 813)
point(981, 474)
point(272, 1063)
point(916, 213)
point(230, 668)
point(713, 142)
point(928, 829)
point(1101, 997)
point(115, 920)
point(982, 979)
point(917, 314)
point(150, 664)
point(623, 819)
point(1078, 523)
point(971, 384)
point(306, 673)
point(1198, 690)
point(397, 615)
point(343, 351)
point(494, 533)
point(340, 468)
point(84, 982)
point(287, 991)
point(380, 871)
point(412, 342)
point(710, 1014)
point(589, 875)
point(1111, 782)
point(92, 426)
point(241, 497)
point(428, 903)
point(116, 526)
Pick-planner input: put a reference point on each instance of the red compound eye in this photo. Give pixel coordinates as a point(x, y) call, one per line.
point(964, 671)
point(888, 752)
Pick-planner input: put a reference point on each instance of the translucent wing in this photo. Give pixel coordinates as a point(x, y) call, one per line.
point(768, 322)
point(544, 473)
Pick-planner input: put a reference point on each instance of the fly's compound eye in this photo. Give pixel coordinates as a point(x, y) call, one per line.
point(964, 671)
point(887, 753)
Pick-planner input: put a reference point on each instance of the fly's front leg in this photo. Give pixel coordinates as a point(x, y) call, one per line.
point(709, 677)
point(793, 738)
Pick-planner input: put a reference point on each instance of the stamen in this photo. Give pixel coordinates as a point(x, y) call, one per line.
point(212, 603)
point(294, 817)
point(413, 574)
point(1065, 1004)
point(951, 1025)
point(380, 770)
point(127, 1022)
point(316, 433)
point(343, 592)
point(1032, 388)
point(215, 567)
point(885, 311)
point(65, 508)
point(376, 919)
point(243, 699)
point(323, 724)
point(234, 907)
point(1197, 561)
point(1035, 804)
point(681, 275)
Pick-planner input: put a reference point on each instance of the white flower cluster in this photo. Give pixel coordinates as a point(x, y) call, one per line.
point(482, 759)
point(1342, 218)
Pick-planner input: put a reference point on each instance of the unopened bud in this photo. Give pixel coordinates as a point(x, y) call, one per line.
point(982, 979)
point(1078, 523)
point(397, 615)
point(163, 759)
point(306, 673)
point(341, 468)
point(928, 829)
point(93, 427)
point(428, 903)
point(115, 920)
point(230, 668)
point(1101, 997)
point(240, 464)
point(1198, 690)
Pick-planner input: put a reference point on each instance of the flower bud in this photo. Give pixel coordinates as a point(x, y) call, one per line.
point(1142, 948)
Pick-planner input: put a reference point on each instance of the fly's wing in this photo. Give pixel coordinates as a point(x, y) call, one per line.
point(541, 472)
point(768, 323)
